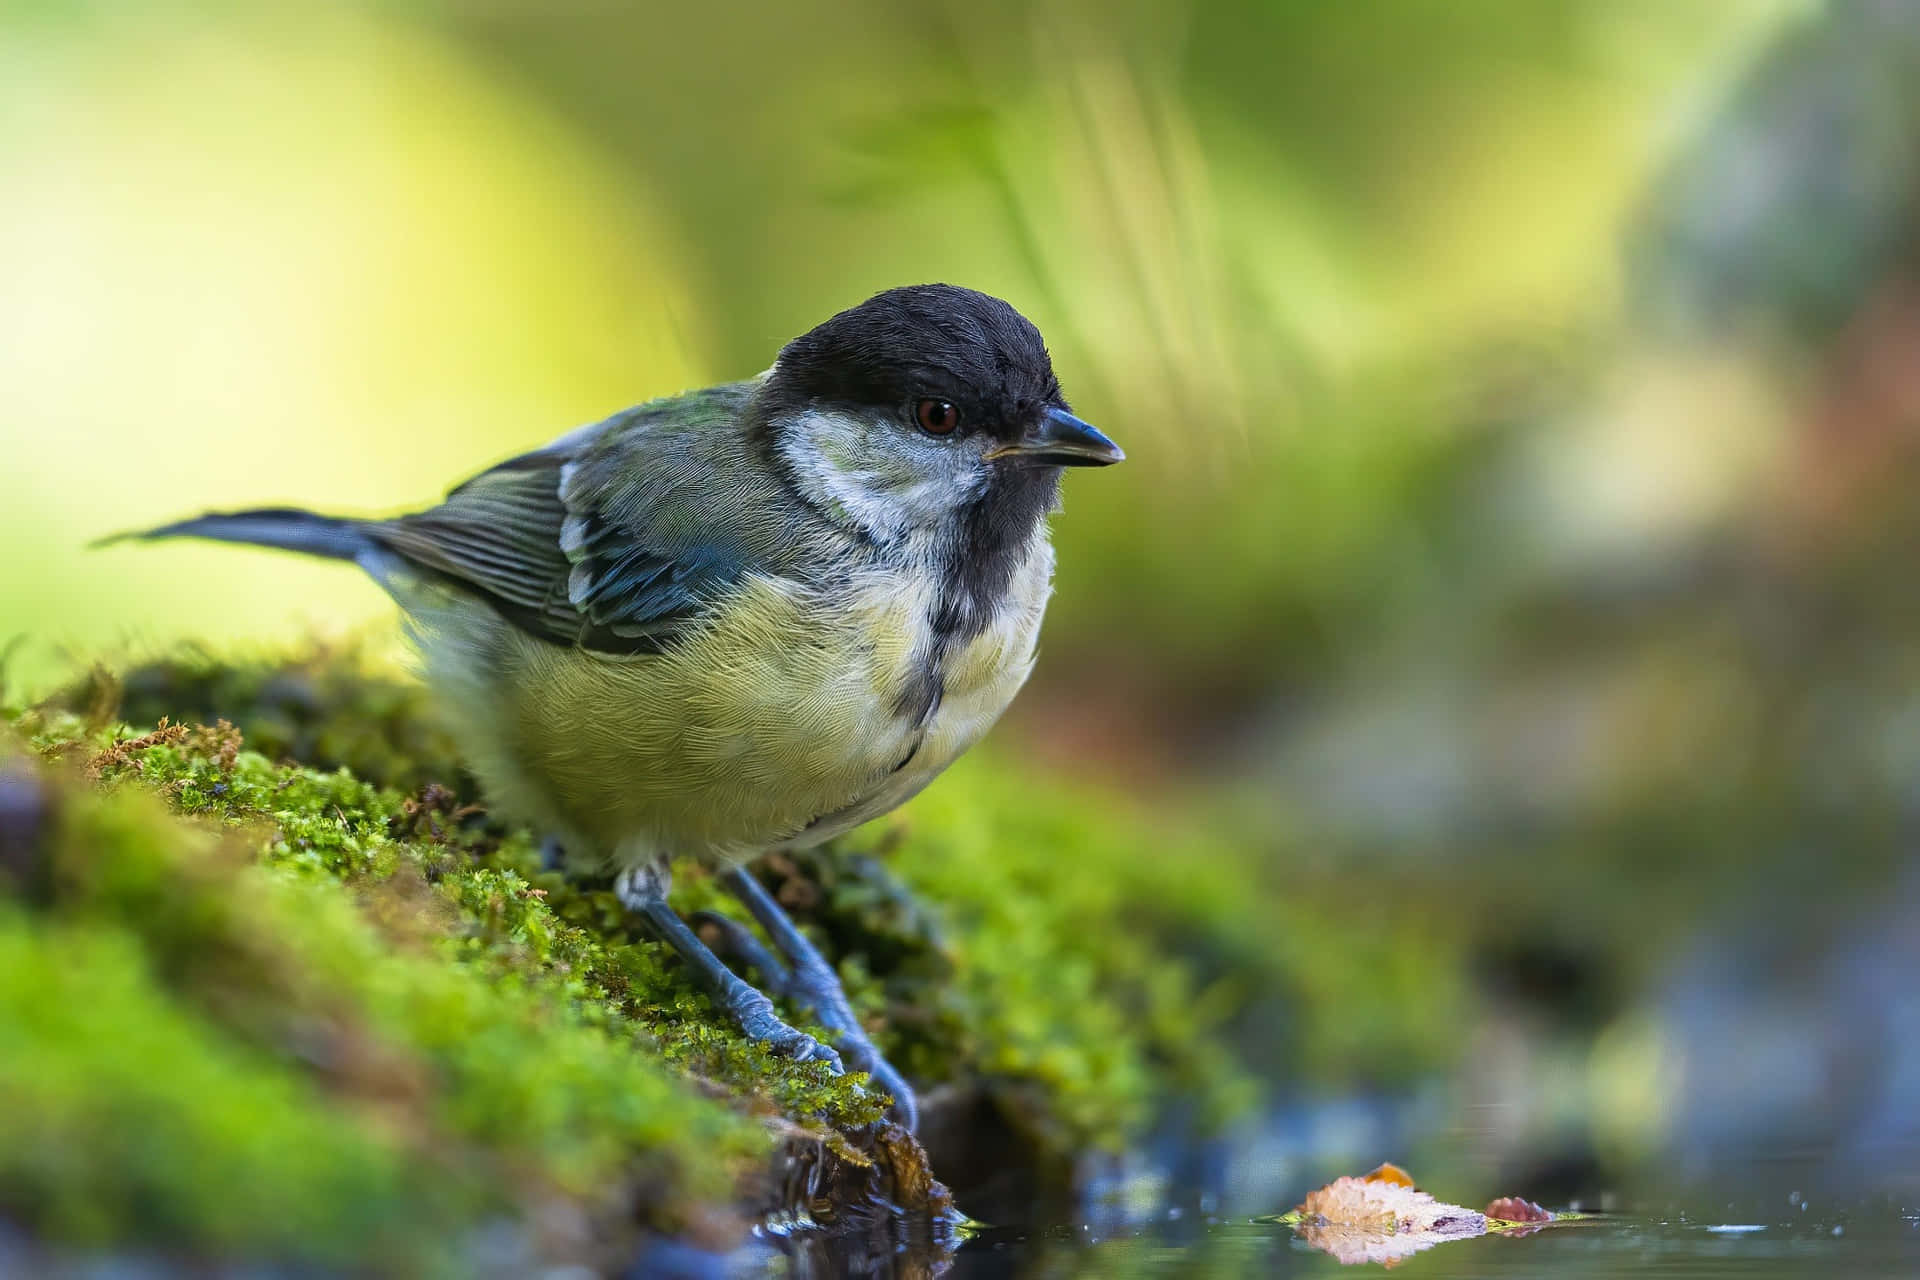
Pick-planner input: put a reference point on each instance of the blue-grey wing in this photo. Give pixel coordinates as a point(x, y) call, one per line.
point(614, 538)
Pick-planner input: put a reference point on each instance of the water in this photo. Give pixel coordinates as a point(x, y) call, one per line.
point(1827, 1211)
point(1864, 1243)
point(1857, 1241)
point(1784, 1194)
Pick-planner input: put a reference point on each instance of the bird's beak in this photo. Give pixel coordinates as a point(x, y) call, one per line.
point(1061, 440)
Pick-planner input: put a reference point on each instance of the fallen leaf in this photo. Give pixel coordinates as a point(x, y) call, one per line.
point(1514, 1209)
point(1389, 1203)
point(1383, 1217)
point(1388, 1172)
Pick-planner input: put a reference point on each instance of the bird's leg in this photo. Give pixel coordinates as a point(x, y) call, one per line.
point(737, 946)
point(643, 890)
point(814, 984)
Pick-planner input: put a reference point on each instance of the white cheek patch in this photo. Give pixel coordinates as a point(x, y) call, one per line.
point(888, 489)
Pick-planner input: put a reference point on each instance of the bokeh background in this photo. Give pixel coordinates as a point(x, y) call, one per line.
point(1522, 527)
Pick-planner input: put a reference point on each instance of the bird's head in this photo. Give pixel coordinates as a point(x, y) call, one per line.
point(919, 405)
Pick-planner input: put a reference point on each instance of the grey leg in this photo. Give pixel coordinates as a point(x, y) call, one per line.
point(644, 892)
point(814, 984)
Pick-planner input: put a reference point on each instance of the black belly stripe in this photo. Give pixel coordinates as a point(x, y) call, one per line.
point(924, 689)
point(815, 824)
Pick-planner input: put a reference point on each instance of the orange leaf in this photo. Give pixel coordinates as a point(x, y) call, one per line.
point(1391, 1174)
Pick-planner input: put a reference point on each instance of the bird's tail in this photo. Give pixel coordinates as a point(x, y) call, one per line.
point(287, 528)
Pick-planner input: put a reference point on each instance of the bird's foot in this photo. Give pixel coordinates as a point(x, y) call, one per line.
point(644, 890)
point(812, 983)
point(815, 988)
point(755, 1016)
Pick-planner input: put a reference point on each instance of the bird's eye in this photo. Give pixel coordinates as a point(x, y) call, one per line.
point(937, 417)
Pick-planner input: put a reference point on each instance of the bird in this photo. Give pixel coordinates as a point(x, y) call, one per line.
point(743, 619)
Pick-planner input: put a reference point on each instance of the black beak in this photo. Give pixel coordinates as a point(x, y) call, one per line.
point(1061, 440)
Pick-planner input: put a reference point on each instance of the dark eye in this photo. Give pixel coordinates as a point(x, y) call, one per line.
point(936, 417)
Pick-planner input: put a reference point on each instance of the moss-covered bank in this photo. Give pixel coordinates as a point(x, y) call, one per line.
point(272, 985)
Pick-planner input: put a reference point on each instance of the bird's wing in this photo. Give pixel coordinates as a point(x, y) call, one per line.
point(613, 538)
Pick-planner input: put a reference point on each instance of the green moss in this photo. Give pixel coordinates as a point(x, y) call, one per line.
point(1211, 952)
point(413, 861)
point(195, 1009)
point(91, 1142)
point(389, 983)
point(326, 706)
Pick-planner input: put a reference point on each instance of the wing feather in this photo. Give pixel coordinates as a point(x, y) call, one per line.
point(613, 538)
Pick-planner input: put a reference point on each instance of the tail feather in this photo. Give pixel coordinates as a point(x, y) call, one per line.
point(287, 528)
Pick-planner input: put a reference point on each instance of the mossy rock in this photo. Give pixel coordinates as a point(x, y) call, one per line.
point(279, 989)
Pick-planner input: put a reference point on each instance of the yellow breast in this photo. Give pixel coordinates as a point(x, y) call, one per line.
point(777, 722)
point(978, 679)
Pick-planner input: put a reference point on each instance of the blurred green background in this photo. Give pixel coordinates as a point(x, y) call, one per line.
point(1522, 403)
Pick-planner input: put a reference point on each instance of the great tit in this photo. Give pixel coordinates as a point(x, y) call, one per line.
point(742, 619)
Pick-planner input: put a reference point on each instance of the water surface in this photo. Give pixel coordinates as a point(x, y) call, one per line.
point(1870, 1243)
point(1826, 1211)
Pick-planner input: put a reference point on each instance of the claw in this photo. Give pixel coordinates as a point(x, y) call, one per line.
point(807, 1049)
point(792, 1042)
point(755, 1015)
point(813, 984)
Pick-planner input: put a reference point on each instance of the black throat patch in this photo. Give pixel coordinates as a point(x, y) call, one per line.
point(995, 533)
